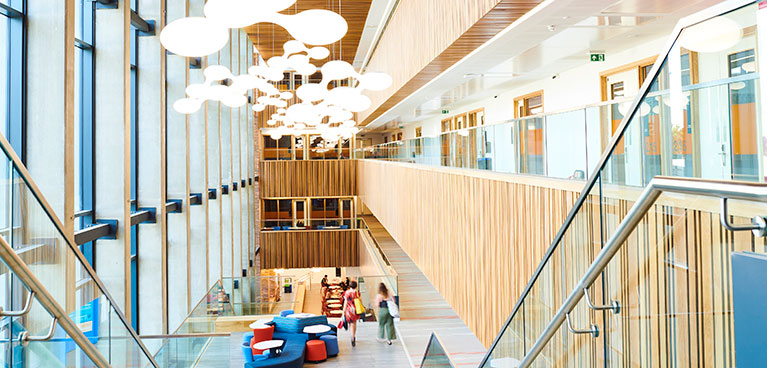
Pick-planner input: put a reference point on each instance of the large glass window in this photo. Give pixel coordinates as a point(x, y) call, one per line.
point(84, 102)
point(12, 75)
point(134, 160)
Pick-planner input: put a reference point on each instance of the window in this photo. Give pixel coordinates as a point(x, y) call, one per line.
point(84, 113)
point(529, 104)
point(12, 78)
point(134, 159)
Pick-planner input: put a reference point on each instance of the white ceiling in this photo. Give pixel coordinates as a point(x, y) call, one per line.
point(555, 36)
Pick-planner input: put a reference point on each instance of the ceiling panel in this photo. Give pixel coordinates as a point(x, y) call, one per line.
point(269, 38)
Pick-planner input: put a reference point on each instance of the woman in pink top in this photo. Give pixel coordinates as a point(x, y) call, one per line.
point(350, 310)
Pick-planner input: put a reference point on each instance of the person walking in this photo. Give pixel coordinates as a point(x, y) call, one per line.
point(350, 310)
point(385, 319)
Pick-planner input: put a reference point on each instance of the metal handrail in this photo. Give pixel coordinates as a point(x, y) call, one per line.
point(22, 271)
point(432, 339)
point(69, 237)
point(657, 186)
point(721, 8)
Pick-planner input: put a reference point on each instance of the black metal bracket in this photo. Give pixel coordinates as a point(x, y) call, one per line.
point(102, 229)
point(212, 193)
point(250, 181)
point(144, 215)
point(224, 189)
point(195, 63)
point(195, 199)
point(243, 183)
point(173, 206)
point(106, 4)
point(234, 186)
point(256, 179)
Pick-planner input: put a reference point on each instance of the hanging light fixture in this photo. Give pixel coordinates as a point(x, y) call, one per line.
point(194, 36)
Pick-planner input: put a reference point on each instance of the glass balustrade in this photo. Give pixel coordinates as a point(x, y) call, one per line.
point(698, 117)
point(36, 235)
point(435, 355)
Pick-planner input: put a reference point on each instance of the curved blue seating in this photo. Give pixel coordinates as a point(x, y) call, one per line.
point(286, 313)
point(292, 356)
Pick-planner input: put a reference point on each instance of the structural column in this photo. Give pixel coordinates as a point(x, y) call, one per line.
point(179, 299)
point(113, 149)
point(152, 273)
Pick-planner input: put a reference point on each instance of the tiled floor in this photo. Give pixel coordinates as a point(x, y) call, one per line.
point(424, 310)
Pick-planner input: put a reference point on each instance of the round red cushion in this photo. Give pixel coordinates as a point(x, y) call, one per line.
point(315, 351)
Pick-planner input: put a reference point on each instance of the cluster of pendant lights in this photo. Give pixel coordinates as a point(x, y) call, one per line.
point(329, 111)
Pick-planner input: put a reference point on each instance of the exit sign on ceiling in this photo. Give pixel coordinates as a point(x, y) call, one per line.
point(597, 57)
point(445, 111)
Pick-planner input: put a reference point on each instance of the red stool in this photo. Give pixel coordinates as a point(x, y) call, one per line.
point(315, 351)
point(261, 334)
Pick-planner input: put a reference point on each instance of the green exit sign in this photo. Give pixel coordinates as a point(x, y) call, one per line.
point(445, 111)
point(597, 57)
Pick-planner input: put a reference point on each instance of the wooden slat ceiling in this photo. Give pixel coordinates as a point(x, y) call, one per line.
point(269, 38)
point(497, 19)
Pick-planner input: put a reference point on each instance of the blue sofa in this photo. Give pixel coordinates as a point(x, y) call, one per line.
point(293, 352)
point(294, 348)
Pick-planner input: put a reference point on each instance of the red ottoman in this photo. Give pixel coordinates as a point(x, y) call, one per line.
point(315, 351)
point(261, 334)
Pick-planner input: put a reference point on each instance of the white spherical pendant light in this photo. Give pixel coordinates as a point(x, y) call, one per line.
point(233, 13)
point(311, 92)
point(714, 35)
point(314, 27)
point(217, 73)
point(258, 107)
point(187, 105)
point(234, 100)
point(194, 37)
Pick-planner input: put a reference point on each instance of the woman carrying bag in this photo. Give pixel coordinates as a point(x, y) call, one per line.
point(387, 310)
point(351, 305)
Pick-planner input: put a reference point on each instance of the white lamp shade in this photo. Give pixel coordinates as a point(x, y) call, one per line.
point(337, 69)
point(194, 37)
point(197, 90)
point(314, 26)
point(286, 95)
point(319, 52)
point(187, 105)
point(714, 35)
point(259, 107)
point(311, 92)
point(233, 13)
point(217, 73)
point(234, 100)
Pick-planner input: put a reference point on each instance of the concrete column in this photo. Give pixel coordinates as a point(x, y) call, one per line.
point(50, 151)
point(213, 162)
point(112, 131)
point(198, 184)
point(236, 196)
point(179, 300)
point(226, 173)
point(152, 273)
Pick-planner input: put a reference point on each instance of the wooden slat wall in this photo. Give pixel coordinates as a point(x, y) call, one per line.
point(309, 248)
point(310, 178)
point(413, 53)
point(478, 240)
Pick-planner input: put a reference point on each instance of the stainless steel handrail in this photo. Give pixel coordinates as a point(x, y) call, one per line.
point(22, 271)
point(69, 237)
point(721, 8)
point(657, 186)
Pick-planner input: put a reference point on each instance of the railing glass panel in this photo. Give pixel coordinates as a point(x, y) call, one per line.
point(697, 117)
point(36, 235)
point(435, 355)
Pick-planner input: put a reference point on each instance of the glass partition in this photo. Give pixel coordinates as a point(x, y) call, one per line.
point(36, 235)
point(435, 355)
point(697, 117)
